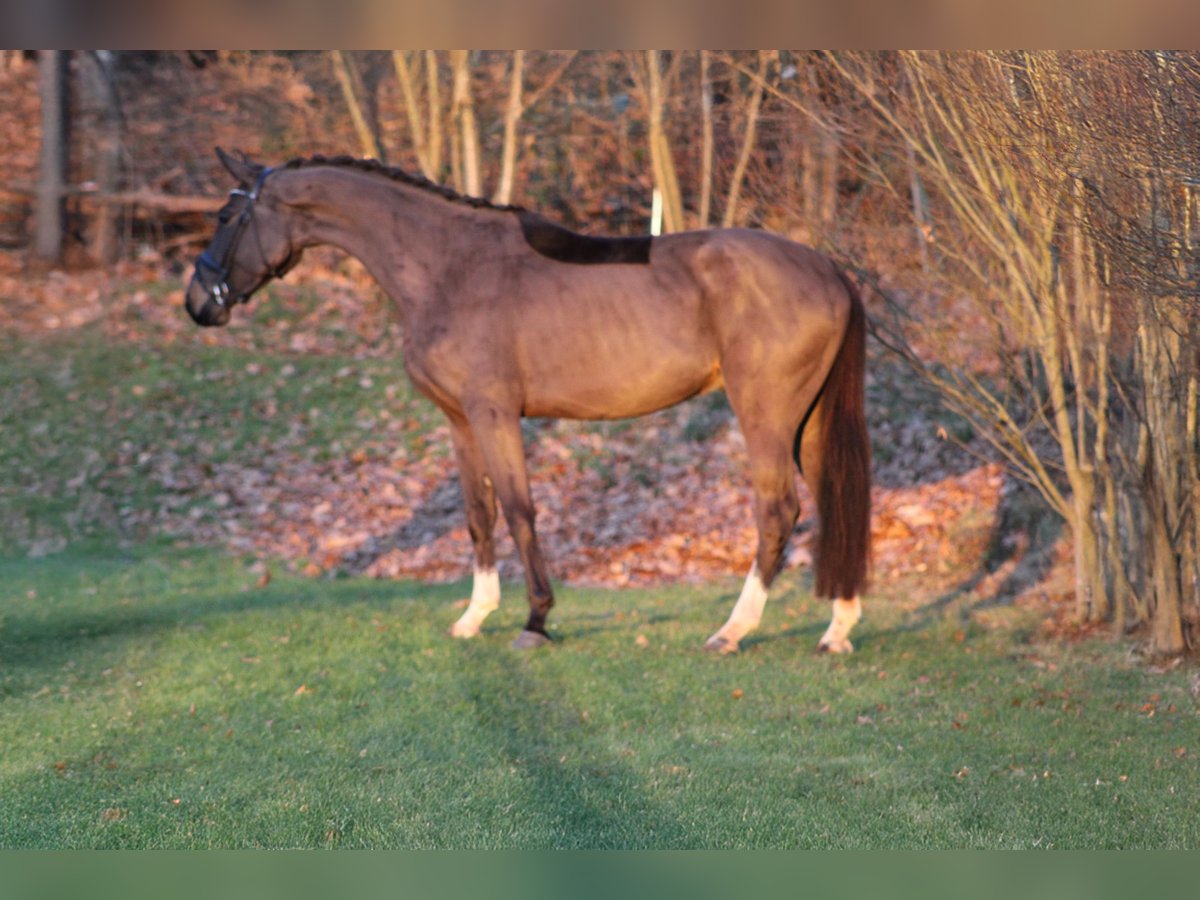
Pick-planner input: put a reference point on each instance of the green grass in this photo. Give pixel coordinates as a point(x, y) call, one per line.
point(161, 699)
point(154, 696)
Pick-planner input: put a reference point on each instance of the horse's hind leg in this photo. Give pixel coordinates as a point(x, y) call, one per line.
point(498, 432)
point(776, 508)
point(479, 497)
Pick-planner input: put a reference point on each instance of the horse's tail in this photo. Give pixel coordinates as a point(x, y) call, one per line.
point(844, 492)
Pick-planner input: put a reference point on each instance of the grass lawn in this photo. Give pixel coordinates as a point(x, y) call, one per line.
point(153, 695)
point(160, 698)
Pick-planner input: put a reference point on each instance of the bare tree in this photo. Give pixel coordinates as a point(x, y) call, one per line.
point(1004, 196)
point(1140, 172)
point(464, 144)
point(706, 145)
point(418, 119)
point(655, 87)
point(756, 89)
point(352, 90)
point(516, 107)
point(512, 115)
point(52, 86)
point(1071, 237)
point(434, 93)
point(99, 85)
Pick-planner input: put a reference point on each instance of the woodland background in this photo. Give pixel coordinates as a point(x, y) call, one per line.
point(1024, 226)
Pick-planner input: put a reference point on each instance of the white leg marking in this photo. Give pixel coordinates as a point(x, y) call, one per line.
point(485, 598)
point(746, 615)
point(846, 614)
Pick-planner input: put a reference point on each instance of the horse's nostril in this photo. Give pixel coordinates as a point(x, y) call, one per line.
point(201, 307)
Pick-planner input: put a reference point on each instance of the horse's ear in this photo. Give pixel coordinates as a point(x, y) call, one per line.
point(242, 169)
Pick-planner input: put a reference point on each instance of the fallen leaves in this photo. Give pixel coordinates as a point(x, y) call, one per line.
point(614, 509)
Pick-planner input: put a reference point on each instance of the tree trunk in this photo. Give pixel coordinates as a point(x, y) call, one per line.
point(52, 87)
point(512, 115)
point(819, 164)
point(352, 90)
point(464, 109)
point(1089, 604)
point(1166, 462)
point(706, 141)
point(1166, 620)
point(920, 207)
point(660, 149)
point(1191, 547)
point(830, 150)
point(412, 108)
point(739, 171)
point(98, 82)
point(809, 181)
point(434, 93)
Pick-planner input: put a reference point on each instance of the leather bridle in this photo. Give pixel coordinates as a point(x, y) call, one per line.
point(219, 289)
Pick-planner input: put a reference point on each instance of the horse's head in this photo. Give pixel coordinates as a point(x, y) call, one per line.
point(251, 246)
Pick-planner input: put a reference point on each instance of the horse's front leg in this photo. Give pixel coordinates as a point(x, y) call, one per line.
point(498, 432)
point(479, 498)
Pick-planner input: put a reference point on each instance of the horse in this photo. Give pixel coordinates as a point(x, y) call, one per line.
point(506, 314)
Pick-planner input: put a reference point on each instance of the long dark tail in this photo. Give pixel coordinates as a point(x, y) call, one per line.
point(844, 494)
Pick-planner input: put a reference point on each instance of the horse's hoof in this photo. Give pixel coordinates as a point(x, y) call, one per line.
point(722, 645)
point(463, 630)
point(842, 646)
point(530, 640)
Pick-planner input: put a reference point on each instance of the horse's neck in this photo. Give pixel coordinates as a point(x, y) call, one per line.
point(403, 235)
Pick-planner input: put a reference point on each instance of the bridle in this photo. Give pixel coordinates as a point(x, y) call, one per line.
point(222, 267)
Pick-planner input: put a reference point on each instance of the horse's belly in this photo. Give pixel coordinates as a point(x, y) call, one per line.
point(619, 391)
point(619, 344)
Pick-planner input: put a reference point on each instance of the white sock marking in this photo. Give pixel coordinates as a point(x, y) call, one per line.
point(846, 614)
point(485, 598)
point(746, 614)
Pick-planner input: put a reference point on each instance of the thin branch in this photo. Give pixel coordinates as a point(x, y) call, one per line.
point(739, 171)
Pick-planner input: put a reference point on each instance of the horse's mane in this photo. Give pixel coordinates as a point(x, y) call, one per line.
point(394, 173)
point(546, 237)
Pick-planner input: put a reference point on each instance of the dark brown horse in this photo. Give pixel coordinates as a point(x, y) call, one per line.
point(506, 314)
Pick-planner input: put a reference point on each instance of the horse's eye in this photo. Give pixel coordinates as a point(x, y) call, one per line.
point(224, 216)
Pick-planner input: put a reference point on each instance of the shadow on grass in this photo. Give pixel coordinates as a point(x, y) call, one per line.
point(37, 639)
point(587, 625)
point(804, 637)
point(587, 796)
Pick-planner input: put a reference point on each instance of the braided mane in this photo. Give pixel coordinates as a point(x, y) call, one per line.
point(393, 173)
point(545, 237)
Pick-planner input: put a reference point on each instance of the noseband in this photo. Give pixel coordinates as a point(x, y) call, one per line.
point(221, 268)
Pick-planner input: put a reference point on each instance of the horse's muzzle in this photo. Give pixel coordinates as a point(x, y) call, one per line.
point(202, 306)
